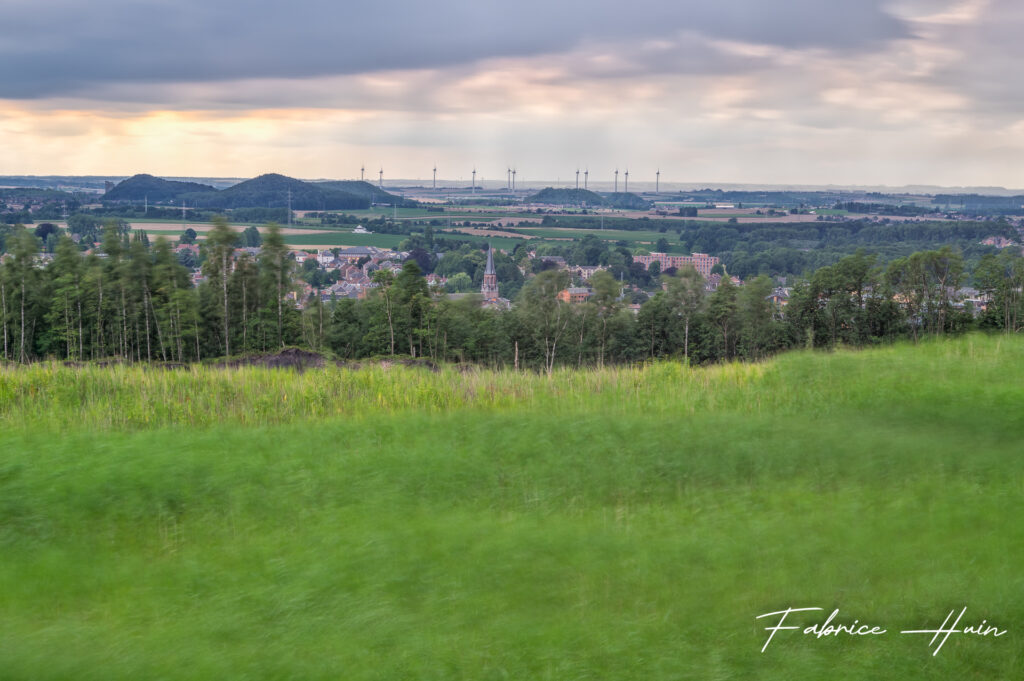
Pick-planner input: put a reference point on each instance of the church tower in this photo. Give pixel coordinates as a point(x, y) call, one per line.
point(489, 288)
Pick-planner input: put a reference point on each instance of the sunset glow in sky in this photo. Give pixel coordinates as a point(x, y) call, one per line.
point(789, 91)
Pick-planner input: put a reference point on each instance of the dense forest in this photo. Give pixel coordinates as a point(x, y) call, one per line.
point(133, 301)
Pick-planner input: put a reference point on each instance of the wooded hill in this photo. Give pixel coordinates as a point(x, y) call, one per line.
point(575, 197)
point(365, 189)
point(266, 191)
point(566, 197)
point(154, 189)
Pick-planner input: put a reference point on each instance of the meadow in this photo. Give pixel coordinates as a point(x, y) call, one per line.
point(344, 238)
point(419, 213)
point(639, 236)
point(318, 237)
point(625, 523)
point(341, 239)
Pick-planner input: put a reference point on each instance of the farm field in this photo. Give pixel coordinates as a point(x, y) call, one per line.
point(453, 212)
point(175, 229)
point(203, 227)
point(626, 523)
point(332, 239)
point(648, 237)
point(300, 237)
point(386, 240)
point(327, 237)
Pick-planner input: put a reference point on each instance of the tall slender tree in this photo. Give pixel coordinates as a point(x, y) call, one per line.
point(24, 275)
point(219, 245)
point(685, 294)
point(275, 269)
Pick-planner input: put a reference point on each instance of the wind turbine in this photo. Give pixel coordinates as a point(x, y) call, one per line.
point(362, 173)
point(513, 179)
point(616, 180)
point(474, 180)
point(657, 181)
point(577, 179)
point(508, 182)
point(380, 180)
point(586, 176)
point(435, 177)
point(627, 181)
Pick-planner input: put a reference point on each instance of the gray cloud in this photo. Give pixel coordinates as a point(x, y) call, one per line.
point(68, 48)
point(985, 58)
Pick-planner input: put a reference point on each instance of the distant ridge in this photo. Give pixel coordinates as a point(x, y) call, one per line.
point(626, 200)
point(575, 197)
point(266, 191)
point(272, 191)
point(361, 188)
point(566, 197)
point(154, 189)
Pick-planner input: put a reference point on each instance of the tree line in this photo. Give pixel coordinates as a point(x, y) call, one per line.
point(130, 300)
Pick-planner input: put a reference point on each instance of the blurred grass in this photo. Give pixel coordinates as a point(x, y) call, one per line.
point(399, 523)
point(931, 380)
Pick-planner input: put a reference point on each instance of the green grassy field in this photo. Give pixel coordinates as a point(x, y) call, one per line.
point(504, 243)
point(453, 212)
point(398, 523)
point(329, 237)
point(346, 239)
point(165, 221)
point(649, 236)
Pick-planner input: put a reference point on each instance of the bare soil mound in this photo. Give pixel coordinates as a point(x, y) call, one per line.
point(289, 358)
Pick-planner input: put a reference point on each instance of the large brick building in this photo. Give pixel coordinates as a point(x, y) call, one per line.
point(702, 262)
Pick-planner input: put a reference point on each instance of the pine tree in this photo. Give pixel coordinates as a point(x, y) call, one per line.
point(219, 245)
point(24, 277)
point(65, 309)
point(275, 271)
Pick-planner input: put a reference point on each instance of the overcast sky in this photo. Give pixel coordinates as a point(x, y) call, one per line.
point(751, 91)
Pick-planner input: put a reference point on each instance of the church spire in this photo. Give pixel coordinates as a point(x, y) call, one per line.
point(490, 261)
point(489, 289)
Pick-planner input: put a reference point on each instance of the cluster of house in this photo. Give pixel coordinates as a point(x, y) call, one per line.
point(355, 280)
point(355, 267)
point(701, 262)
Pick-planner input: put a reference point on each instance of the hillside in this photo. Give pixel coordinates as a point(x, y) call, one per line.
point(576, 197)
point(265, 191)
point(565, 197)
point(397, 522)
point(364, 189)
point(154, 189)
point(271, 191)
point(626, 201)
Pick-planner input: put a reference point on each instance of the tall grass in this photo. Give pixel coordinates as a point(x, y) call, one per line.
point(620, 524)
point(55, 396)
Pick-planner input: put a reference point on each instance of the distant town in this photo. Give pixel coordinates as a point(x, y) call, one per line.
point(852, 267)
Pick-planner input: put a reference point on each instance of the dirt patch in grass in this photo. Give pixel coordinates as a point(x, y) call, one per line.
point(289, 358)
